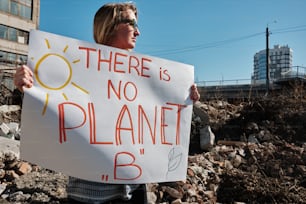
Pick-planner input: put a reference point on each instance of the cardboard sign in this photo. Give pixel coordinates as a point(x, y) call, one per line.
point(105, 114)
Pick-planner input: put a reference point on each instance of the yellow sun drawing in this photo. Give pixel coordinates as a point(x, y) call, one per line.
point(66, 82)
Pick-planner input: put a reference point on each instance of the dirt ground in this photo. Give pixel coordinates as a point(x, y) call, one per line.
point(274, 167)
point(259, 156)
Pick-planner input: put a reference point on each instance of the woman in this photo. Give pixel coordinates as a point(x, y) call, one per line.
point(115, 25)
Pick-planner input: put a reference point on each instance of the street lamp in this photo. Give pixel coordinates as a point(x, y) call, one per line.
point(267, 59)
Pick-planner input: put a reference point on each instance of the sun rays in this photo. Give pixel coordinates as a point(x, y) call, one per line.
point(64, 84)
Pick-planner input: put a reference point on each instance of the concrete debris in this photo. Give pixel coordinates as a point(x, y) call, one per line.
point(9, 121)
point(248, 152)
point(9, 108)
point(207, 138)
point(4, 129)
point(10, 130)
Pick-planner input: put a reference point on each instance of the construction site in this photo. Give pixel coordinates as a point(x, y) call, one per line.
point(251, 150)
point(247, 140)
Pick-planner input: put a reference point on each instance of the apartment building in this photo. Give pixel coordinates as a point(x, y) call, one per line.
point(17, 18)
point(280, 62)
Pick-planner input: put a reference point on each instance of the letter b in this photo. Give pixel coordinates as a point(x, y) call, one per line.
point(125, 170)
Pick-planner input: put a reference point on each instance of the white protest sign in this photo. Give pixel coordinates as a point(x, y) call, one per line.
point(105, 114)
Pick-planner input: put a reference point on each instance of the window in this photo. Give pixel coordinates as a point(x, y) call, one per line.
point(3, 56)
point(12, 59)
point(23, 59)
point(21, 8)
point(3, 32)
point(22, 35)
point(13, 34)
point(24, 10)
point(4, 5)
point(14, 8)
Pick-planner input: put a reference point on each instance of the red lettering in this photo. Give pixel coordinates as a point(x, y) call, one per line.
point(131, 167)
point(144, 68)
point(126, 91)
point(107, 61)
point(117, 62)
point(62, 124)
point(124, 124)
point(129, 90)
point(87, 49)
point(142, 116)
point(124, 111)
point(91, 118)
point(163, 125)
point(166, 75)
point(111, 86)
point(178, 120)
point(92, 124)
point(134, 64)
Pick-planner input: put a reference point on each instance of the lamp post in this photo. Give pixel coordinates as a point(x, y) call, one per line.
point(267, 61)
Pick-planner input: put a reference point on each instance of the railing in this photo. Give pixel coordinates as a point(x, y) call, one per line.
point(224, 82)
point(294, 72)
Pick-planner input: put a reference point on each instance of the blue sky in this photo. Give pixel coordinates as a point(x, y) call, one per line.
point(218, 37)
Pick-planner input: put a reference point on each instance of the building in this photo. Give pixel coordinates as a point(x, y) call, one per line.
point(280, 63)
point(17, 18)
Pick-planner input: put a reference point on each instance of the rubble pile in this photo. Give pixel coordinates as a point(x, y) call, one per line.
point(249, 152)
point(259, 155)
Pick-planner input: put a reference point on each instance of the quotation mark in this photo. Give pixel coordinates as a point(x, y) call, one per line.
point(104, 177)
point(141, 151)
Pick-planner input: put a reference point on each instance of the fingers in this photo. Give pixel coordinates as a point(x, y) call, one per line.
point(193, 87)
point(23, 77)
point(194, 94)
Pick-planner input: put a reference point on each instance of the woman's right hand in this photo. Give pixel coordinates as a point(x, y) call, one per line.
point(23, 77)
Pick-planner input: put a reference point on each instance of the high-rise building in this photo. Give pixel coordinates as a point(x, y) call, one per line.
point(280, 62)
point(17, 18)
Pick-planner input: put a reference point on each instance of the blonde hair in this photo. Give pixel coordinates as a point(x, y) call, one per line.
point(106, 20)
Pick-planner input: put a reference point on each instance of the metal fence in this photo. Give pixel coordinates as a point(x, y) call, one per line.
point(294, 72)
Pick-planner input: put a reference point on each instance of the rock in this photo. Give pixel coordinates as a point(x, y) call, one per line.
point(151, 196)
point(9, 108)
point(207, 138)
point(2, 188)
point(11, 175)
point(199, 111)
point(272, 170)
point(24, 168)
point(177, 201)
point(8, 146)
point(174, 193)
point(4, 129)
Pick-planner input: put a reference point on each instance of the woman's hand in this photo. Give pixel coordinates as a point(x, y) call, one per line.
point(194, 94)
point(23, 77)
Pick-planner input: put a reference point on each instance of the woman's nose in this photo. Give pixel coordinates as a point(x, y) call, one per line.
point(137, 32)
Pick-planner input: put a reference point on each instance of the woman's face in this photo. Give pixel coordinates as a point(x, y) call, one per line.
point(126, 31)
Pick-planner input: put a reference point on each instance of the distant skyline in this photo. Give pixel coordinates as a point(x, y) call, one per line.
point(218, 37)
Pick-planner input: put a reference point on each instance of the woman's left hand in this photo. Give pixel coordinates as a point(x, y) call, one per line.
point(194, 94)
